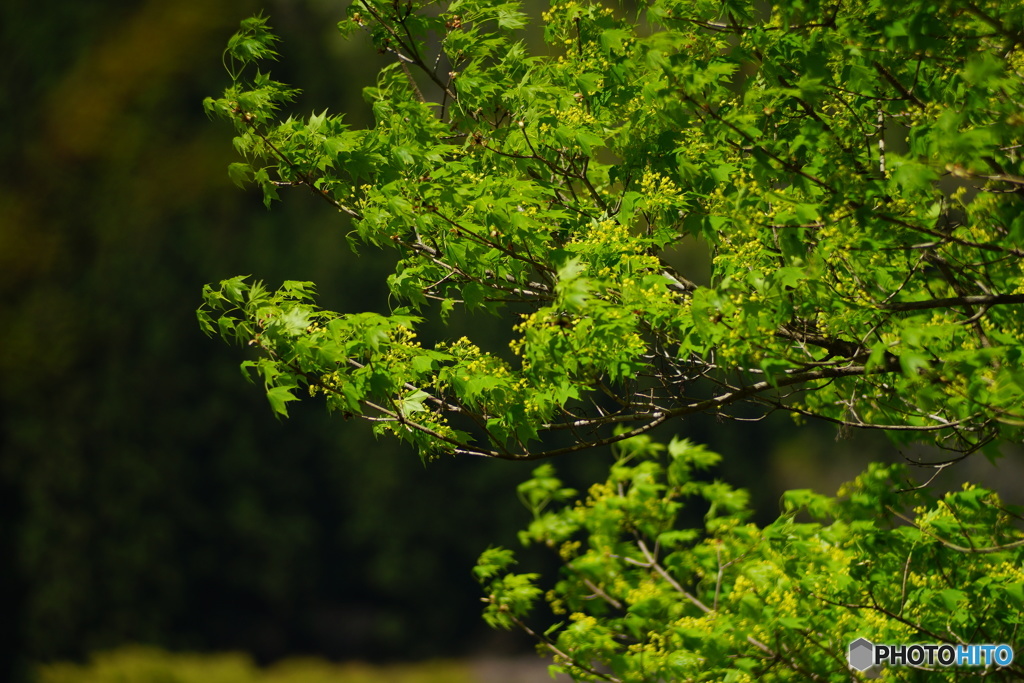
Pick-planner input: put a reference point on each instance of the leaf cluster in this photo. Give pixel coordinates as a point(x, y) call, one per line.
point(854, 173)
point(645, 594)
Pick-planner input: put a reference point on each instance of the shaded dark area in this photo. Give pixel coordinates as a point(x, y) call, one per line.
point(147, 494)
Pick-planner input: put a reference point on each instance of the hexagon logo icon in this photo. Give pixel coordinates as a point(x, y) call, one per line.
point(861, 654)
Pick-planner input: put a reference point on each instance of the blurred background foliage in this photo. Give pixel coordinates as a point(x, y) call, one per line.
point(147, 495)
point(144, 664)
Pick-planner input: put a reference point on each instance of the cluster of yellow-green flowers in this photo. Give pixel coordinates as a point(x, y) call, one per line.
point(512, 387)
point(330, 383)
point(575, 114)
point(404, 336)
point(660, 191)
point(430, 446)
point(564, 21)
point(462, 348)
point(467, 357)
point(529, 321)
point(607, 231)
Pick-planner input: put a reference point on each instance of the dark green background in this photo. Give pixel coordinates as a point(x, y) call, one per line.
point(146, 492)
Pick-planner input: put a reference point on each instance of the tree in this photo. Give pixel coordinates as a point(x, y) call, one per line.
point(855, 175)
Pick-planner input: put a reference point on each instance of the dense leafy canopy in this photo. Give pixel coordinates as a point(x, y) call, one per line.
point(645, 597)
point(855, 171)
point(853, 174)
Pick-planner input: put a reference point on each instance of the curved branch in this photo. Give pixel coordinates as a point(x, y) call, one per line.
point(951, 302)
point(953, 546)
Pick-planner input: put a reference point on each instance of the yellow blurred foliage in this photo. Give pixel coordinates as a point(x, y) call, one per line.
point(141, 664)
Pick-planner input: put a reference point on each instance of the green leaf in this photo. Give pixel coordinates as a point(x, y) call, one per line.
point(473, 294)
point(588, 141)
point(413, 402)
point(316, 122)
point(294, 321)
point(913, 177)
point(797, 623)
point(509, 18)
point(912, 363)
point(240, 173)
point(493, 562)
point(279, 397)
point(952, 598)
point(790, 276)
